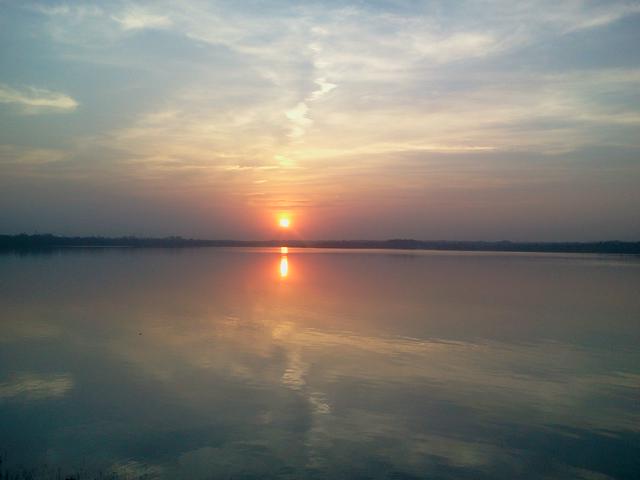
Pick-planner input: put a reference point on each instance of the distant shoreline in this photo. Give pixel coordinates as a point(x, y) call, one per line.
point(24, 242)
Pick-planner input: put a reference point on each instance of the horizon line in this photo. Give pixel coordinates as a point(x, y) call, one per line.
point(297, 240)
point(40, 242)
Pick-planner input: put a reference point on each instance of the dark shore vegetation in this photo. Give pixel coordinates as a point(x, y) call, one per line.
point(48, 242)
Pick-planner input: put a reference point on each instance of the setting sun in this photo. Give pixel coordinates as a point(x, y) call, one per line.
point(284, 222)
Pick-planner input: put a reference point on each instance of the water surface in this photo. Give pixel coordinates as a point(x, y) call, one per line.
point(252, 363)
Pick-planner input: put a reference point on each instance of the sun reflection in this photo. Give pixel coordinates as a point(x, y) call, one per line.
point(284, 250)
point(284, 266)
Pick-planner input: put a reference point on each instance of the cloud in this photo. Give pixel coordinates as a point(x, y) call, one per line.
point(79, 12)
point(299, 115)
point(27, 156)
point(37, 100)
point(137, 19)
point(232, 97)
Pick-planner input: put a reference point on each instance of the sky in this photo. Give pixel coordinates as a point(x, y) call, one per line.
point(469, 120)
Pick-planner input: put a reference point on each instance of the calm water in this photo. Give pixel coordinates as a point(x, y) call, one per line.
point(223, 363)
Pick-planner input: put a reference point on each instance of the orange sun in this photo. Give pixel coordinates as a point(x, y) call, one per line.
point(284, 222)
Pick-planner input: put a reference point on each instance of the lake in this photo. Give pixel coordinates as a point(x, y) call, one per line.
point(260, 363)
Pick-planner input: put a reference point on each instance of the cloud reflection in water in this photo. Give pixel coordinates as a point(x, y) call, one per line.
point(200, 363)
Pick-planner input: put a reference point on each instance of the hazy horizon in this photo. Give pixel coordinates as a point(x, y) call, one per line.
point(359, 120)
point(284, 239)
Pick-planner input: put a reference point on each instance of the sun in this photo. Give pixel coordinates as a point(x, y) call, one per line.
point(284, 222)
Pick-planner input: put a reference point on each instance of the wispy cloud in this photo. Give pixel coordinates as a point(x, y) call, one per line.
point(29, 156)
point(37, 100)
point(136, 18)
point(306, 100)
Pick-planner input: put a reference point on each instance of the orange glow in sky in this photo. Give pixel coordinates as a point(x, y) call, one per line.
point(343, 121)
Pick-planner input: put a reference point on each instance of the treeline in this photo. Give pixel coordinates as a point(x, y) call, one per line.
point(48, 241)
